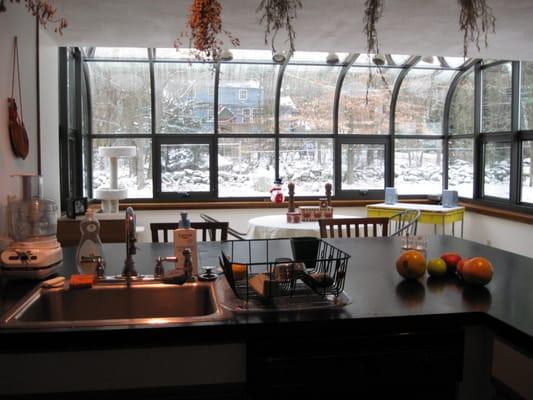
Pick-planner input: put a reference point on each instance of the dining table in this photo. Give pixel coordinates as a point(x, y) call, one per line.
point(276, 226)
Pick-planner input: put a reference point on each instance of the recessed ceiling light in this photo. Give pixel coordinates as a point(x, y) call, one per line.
point(332, 58)
point(379, 60)
point(279, 57)
point(226, 55)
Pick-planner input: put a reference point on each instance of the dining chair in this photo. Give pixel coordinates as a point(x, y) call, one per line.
point(346, 227)
point(232, 232)
point(404, 223)
point(209, 230)
point(111, 231)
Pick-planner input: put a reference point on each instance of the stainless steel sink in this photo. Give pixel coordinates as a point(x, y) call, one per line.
point(115, 304)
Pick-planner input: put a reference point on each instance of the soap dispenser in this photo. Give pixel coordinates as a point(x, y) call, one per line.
point(90, 249)
point(185, 238)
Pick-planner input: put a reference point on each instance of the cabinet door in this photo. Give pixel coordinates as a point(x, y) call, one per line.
point(397, 364)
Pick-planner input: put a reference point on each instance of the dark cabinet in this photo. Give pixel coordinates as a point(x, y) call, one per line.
point(396, 365)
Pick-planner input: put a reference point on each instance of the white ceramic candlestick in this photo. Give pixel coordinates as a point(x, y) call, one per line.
point(111, 195)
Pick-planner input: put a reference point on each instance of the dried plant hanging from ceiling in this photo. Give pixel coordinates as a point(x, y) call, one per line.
point(476, 20)
point(276, 15)
point(373, 12)
point(43, 10)
point(205, 24)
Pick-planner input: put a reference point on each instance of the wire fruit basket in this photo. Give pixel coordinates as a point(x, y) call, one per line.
point(296, 270)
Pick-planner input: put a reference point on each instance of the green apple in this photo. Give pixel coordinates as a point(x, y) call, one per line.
point(437, 267)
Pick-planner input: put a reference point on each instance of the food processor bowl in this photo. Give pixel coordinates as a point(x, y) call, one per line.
point(32, 219)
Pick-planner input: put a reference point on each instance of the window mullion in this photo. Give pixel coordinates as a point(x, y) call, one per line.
point(478, 145)
point(151, 53)
point(515, 144)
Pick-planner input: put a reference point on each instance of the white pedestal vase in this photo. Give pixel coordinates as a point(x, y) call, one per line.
point(111, 195)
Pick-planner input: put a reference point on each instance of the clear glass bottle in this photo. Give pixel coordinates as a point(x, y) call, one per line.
point(90, 247)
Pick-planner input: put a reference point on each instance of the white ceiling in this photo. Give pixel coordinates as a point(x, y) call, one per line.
point(420, 27)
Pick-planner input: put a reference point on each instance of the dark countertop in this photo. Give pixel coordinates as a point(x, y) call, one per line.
point(381, 300)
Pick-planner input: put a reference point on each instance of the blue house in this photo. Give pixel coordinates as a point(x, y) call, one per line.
point(239, 103)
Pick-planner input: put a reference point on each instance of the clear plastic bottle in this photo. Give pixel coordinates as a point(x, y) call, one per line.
point(185, 238)
point(90, 247)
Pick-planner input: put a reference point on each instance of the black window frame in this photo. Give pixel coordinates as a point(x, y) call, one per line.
point(74, 187)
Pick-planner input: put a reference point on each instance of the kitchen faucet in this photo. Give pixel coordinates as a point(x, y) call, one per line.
point(129, 264)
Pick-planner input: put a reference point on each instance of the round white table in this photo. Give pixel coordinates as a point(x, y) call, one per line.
point(276, 226)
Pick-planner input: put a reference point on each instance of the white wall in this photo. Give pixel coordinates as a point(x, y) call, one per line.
point(16, 22)
point(504, 234)
point(501, 233)
point(49, 99)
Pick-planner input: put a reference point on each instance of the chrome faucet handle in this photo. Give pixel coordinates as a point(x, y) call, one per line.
point(100, 267)
point(159, 271)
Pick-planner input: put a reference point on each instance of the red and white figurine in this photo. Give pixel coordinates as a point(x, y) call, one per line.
point(276, 193)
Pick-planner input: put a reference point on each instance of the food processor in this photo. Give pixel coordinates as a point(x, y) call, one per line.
point(34, 252)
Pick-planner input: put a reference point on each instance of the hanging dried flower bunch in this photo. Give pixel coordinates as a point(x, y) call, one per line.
point(276, 15)
point(43, 10)
point(205, 27)
point(473, 14)
point(373, 12)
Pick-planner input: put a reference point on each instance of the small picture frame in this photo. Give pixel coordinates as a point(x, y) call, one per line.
point(76, 206)
point(450, 198)
point(391, 196)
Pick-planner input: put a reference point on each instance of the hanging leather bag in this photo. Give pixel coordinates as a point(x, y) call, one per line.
point(17, 131)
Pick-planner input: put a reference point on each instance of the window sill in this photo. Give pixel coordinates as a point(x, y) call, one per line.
point(244, 204)
point(496, 212)
point(491, 211)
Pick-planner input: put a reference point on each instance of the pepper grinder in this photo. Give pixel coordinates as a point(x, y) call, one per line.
point(328, 193)
point(290, 186)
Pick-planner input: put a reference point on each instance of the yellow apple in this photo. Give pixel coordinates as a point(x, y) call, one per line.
point(437, 267)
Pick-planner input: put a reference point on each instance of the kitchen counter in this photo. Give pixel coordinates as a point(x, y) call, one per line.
point(382, 302)
point(378, 293)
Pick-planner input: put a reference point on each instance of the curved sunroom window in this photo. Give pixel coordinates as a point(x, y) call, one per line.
point(496, 99)
point(420, 108)
point(121, 53)
point(184, 97)
point(526, 96)
point(205, 130)
point(356, 114)
point(306, 99)
point(120, 97)
point(246, 94)
point(462, 107)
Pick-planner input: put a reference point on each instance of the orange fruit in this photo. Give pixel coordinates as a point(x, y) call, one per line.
point(411, 264)
point(478, 271)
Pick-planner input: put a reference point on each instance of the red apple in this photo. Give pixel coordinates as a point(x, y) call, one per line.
point(451, 260)
point(460, 266)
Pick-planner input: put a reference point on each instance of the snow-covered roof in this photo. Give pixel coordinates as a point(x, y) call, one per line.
point(240, 84)
point(286, 101)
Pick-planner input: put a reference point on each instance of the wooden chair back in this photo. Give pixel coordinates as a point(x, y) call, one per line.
point(345, 227)
point(209, 230)
point(111, 231)
point(232, 232)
